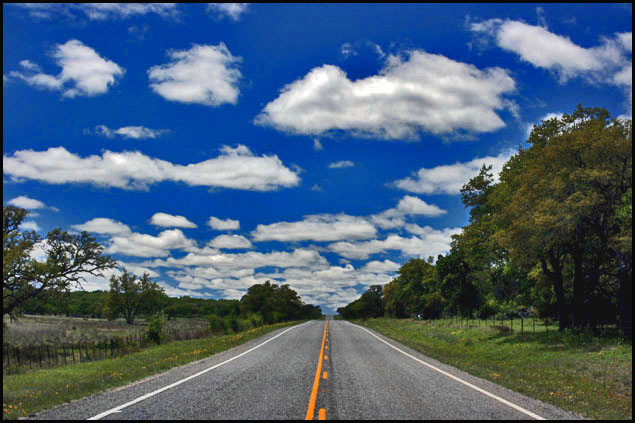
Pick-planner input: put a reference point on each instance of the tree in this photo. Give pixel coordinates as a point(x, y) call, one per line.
point(69, 260)
point(558, 205)
point(130, 297)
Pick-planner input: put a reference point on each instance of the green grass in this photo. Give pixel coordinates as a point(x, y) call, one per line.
point(589, 375)
point(24, 394)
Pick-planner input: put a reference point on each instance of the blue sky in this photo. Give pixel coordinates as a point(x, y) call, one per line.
point(322, 146)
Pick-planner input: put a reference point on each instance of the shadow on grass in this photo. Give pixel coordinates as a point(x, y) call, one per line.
point(559, 340)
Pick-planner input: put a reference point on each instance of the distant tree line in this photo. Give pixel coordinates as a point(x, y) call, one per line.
point(130, 297)
point(552, 236)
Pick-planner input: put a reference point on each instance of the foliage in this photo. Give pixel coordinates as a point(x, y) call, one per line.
point(69, 259)
point(552, 235)
point(129, 298)
point(154, 329)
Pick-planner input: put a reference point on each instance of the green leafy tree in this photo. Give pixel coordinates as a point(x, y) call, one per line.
point(130, 297)
point(558, 205)
point(69, 260)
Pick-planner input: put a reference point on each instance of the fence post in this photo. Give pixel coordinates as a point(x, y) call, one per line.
point(48, 352)
point(522, 326)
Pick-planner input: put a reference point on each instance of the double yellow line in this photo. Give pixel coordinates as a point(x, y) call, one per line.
point(316, 383)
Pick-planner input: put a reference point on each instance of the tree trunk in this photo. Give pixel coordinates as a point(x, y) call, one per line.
point(556, 278)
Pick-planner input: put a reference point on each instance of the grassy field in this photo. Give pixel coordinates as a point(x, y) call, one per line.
point(34, 391)
point(38, 330)
point(589, 375)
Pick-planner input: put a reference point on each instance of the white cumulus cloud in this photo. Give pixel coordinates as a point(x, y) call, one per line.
point(449, 179)
point(421, 92)
point(84, 71)
point(235, 168)
point(223, 225)
point(204, 74)
point(167, 220)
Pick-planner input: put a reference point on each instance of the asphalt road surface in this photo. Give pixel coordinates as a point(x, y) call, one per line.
point(320, 370)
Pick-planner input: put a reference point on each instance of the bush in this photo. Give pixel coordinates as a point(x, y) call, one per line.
point(216, 324)
point(231, 323)
point(154, 330)
point(256, 320)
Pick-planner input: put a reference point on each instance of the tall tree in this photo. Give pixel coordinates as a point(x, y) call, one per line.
point(69, 260)
point(558, 203)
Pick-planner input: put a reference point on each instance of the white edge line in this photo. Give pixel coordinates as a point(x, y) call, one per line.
point(165, 388)
point(489, 394)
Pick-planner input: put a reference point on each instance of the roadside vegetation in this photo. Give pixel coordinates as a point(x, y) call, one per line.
point(27, 393)
point(131, 331)
point(586, 374)
point(550, 240)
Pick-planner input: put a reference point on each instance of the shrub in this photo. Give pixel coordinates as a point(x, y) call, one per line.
point(256, 320)
point(154, 330)
point(216, 323)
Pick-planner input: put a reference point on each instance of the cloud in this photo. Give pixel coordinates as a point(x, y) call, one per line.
point(341, 164)
point(346, 50)
point(430, 242)
point(104, 226)
point(98, 11)
point(204, 74)
point(167, 220)
point(84, 72)
point(322, 227)
point(223, 225)
point(29, 225)
point(27, 203)
point(408, 206)
point(230, 242)
point(220, 264)
point(134, 132)
point(449, 179)
point(144, 245)
point(607, 62)
point(230, 10)
point(420, 92)
point(235, 168)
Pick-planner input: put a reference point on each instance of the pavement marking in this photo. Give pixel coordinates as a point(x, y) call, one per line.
point(165, 388)
point(326, 357)
point(316, 382)
point(483, 391)
point(322, 414)
point(325, 375)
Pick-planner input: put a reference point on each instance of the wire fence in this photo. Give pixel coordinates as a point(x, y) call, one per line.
point(518, 325)
point(21, 358)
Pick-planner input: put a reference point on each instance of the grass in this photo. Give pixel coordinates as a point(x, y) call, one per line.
point(24, 394)
point(38, 330)
point(592, 376)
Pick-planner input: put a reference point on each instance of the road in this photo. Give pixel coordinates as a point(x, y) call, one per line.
point(331, 370)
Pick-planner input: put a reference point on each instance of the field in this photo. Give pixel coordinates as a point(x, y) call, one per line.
point(589, 375)
point(32, 391)
point(36, 342)
point(37, 330)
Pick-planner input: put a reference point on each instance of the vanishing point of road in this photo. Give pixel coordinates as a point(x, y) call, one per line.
point(316, 370)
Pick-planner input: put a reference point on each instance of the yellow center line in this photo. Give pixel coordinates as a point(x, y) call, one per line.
point(316, 383)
